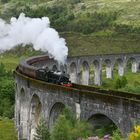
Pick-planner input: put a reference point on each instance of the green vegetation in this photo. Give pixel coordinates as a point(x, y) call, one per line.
point(129, 82)
point(6, 93)
point(66, 127)
point(104, 130)
point(79, 44)
point(42, 131)
point(86, 16)
point(11, 58)
point(120, 82)
point(7, 130)
point(117, 135)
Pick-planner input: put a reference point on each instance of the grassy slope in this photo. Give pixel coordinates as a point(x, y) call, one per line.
point(7, 131)
point(10, 61)
point(89, 45)
point(129, 9)
point(79, 44)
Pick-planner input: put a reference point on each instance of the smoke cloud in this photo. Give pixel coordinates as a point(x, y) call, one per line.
point(36, 31)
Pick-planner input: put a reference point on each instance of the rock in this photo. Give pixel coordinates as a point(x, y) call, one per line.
point(107, 136)
point(79, 139)
point(93, 138)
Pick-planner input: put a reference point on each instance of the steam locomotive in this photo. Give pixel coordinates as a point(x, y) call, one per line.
point(44, 74)
point(56, 77)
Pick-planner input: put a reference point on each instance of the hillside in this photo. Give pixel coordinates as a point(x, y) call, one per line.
point(79, 44)
point(86, 16)
point(89, 26)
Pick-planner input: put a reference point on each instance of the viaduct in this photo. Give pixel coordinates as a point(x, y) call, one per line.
point(35, 98)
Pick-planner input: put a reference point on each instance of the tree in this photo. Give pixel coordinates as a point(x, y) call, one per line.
point(42, 131)
point(67, 127)
point(61, 130)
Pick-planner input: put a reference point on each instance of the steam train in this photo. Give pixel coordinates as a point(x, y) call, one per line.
point(44, 74)
point(56, 77)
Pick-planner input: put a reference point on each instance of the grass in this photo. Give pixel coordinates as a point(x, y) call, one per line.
point(7, 130)
point(12, 58)
point(133, 83)
point(129, 9)
point(79, 44)
point(10, 62)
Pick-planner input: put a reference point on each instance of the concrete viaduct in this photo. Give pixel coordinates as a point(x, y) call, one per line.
point(35, 98)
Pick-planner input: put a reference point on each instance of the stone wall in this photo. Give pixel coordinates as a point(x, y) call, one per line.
point(36, 99)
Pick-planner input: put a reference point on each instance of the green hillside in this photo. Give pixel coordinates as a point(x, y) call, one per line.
point(79, 44)
point(7, 130)
point(86, 16)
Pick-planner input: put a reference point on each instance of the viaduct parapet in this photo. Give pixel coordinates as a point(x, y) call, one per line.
point(35, 98)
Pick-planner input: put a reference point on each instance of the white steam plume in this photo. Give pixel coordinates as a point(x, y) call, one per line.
point(35, 31)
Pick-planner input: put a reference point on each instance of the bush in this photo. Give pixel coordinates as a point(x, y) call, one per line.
point(121, 82)
point(7, 93)
point(116, 135)
point(2, 70)
point(61, 130)
point(136, 134)
point(81, 130)
point(136, 83)
point(42, 131)
point(5, 1)
point(67, 127)
point(133, 89)
point(118, 83)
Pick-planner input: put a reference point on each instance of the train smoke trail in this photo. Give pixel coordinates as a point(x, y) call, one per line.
point(36, 31)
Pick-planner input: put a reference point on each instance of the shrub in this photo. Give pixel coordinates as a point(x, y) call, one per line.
point(117, 83)
point(7, 96)
point(2, 70)
point(42, 131)
point(121, 82)
point(83, 7)
point(75, 1)
point(61, 130)
point(116, 135)
point(136, 83)
point(136, 134)
point(6, 108)
point(67, 127)
point(5, 1)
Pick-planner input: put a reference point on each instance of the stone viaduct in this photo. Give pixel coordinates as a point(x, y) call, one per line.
point(35, 98)
point(80, 68)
